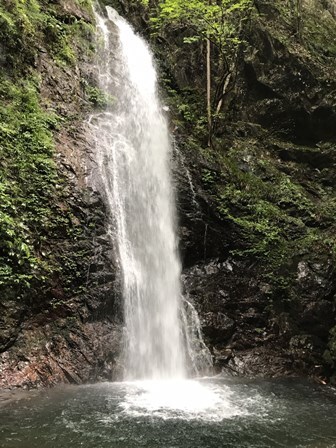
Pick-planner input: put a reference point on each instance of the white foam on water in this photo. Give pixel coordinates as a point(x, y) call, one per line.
point(182, 399)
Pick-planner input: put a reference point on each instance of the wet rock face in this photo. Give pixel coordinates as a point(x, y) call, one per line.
point(67, 336)
point(290, 90)
point(247, 332)
point(61, 352)
point(256, 320)
point(11, 317)
point(200, 229)
point(316, 288)
point(264, 315)
point(290, 99)
point(68, 329)
point(217, 326)
point(233, 308)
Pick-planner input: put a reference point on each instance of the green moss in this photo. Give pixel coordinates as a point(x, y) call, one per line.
point(27, 25)
point(319, 31)
point(18, 30)
point(86, 4)
point(316, 34)
point(97, 97)
point(27, 179)
point(274, 213)
point(32, 192)
point(281, 211)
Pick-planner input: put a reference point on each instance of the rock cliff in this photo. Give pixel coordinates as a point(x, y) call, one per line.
point(57, 277)
point(256, 208)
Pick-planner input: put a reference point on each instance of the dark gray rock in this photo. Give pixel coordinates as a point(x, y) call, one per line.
point(217, 326)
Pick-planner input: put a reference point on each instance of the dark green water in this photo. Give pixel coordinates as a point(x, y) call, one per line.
point(214, 413)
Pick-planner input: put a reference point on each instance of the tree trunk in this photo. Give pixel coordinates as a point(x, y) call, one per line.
point(208, 66)
point(299, 19)
point(209, 89)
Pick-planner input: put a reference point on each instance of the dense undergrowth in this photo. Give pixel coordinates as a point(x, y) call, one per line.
point(32, 189)
point(28, 178)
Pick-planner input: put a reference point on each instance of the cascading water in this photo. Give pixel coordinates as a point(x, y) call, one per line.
point(163, 328)
point(133, 152)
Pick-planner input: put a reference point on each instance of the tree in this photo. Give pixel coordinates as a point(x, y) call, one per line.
point(208, 65)
point(296, 8)
point(219, 24)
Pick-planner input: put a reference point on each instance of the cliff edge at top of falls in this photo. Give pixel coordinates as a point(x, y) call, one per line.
point(256, 210)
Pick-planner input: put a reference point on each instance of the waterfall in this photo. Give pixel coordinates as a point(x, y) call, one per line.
point(133, 156)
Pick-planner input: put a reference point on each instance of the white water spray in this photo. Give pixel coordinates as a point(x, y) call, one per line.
point(133, 155)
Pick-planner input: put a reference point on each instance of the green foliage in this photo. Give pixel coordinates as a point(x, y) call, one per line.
point(60, 37)
point(208, 178)
point(18, 29)
point(192, 23)
point(188, 110)
point(26, 25)
point(32, 192)
point(316, 34)
point(97, 97)
point(274, 213)
point(86, 4)
point(218, 21)
point(27, 177)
